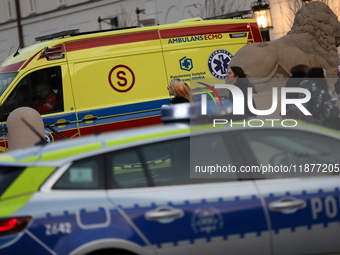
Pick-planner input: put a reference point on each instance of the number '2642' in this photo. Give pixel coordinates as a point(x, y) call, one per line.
point(56, 228)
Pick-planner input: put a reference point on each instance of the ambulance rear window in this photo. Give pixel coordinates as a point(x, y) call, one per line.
point(7, 176)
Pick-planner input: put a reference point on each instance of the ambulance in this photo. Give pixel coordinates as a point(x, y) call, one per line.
point(111, 80)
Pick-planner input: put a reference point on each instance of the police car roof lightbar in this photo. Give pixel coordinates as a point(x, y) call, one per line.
point(57, 35)
point(192, 112)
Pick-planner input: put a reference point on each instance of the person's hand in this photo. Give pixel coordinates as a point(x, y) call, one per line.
point(338, 73)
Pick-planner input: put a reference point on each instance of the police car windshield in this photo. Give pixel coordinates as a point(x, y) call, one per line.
point(5, 80)
point(7, 176)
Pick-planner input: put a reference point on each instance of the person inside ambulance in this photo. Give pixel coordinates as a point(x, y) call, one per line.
point(47, 100)
point(23, 96)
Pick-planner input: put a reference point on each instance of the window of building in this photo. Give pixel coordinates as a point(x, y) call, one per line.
point(62, 2)
point(32, 6)
point(10, 6)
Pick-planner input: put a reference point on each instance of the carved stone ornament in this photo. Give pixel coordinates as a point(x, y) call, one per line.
point(313, 41)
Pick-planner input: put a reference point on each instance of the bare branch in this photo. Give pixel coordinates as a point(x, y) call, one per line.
point(212, 8)
point(125, 20)
point(294, 5)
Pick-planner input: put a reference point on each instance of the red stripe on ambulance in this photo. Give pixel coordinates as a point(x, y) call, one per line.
point(111, 40)
point(11, 68)
point(256, 32)
point(201, 30)
point(28, 61)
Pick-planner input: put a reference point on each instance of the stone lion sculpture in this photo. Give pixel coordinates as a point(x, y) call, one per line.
point(313, 41)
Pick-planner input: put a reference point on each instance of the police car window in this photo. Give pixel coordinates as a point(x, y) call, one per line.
point(83, 174)
point(41, 90)
point(7, 176)
point(210, 158)
point(292, 150)
point(170, 162)
point(127, 169)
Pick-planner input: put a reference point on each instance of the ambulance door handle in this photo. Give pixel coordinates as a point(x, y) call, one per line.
point(164, 214)
point(287, 205)
point(62, 123)
point(89, 118)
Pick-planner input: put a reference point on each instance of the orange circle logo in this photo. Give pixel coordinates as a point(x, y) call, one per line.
point(121, 78)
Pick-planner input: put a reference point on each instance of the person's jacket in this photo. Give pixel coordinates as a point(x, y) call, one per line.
point(179, 100)
point(46, 104)
point(320, 104)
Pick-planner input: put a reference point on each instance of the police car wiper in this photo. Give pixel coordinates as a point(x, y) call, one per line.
point(308, 155)
point(57, 134)
point(153, 162)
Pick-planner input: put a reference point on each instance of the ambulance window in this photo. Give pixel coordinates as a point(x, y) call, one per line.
point(41, 90)
point(5, 80)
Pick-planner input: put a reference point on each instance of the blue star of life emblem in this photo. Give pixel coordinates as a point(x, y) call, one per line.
point(218, 63)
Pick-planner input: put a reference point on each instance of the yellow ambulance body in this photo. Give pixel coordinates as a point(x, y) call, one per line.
point(112, 80)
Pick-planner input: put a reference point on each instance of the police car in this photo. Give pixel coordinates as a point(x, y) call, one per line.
point(131, 192)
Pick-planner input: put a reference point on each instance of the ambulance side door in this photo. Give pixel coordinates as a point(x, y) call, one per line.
point(119, 83)
point(60, 122)
point(3, 139)
point(202, 53)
